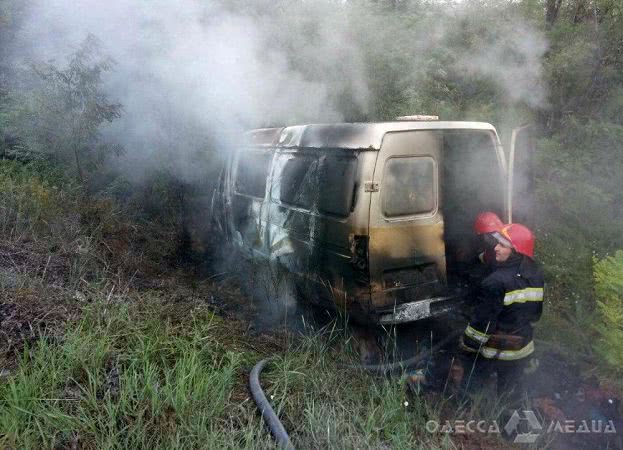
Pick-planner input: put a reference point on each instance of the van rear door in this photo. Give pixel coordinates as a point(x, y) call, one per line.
point(406, 249)
point(520, 181)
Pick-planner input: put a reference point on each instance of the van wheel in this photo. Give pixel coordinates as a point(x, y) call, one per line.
point(365, 340)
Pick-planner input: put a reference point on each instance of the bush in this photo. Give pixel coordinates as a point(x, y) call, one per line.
point(94, 236)
point(608, 274)
point(34, 198)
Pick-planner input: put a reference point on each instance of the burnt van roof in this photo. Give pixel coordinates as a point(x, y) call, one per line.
point(355, 136)
point(359, 136)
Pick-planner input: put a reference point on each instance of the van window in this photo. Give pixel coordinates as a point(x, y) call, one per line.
point(338, 183)
point(298, 181)
point(323, 182)
point(409, 186)
point(252, 171)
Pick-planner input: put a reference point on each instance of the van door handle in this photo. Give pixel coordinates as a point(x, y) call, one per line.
point(371, 186)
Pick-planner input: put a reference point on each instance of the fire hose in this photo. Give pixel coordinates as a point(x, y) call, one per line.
point(268, 413)
point(272, 420)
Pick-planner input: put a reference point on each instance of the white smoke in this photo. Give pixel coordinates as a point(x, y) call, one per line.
point(196, 73)
point(194, 65)
point(508, 54)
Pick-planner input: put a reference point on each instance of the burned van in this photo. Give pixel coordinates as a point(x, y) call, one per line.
point(374, 219)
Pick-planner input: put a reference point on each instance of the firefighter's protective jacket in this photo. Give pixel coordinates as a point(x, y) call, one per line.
point(509, 302)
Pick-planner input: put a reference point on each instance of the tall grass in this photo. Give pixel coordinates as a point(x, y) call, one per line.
point(118, 382)
point(44, 214)
point(136, 375)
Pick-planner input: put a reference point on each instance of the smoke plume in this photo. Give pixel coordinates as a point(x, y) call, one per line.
point(198, 71)
point(202, 69)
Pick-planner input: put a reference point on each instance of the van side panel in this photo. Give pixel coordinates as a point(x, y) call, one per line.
point(309, 235)
point(407, 253)
point(251, 168)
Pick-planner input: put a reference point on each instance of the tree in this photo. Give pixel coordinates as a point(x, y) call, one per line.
point(63, 112)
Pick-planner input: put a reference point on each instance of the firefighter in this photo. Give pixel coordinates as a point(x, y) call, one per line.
point(499, 335)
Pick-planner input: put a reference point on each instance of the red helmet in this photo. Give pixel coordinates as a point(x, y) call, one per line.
point(518, 236)
point(487, 222)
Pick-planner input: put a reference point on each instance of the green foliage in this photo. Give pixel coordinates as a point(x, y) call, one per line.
point(416, 56)
point(63, 111)
point(579, 160)
point(94, 236)
point(608, 274)
point(579, 174)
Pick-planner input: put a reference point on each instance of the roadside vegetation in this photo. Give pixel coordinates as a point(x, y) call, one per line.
point(152, 374)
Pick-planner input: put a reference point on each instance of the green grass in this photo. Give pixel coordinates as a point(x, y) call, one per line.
point(139, 375)
point(125, 379)
point(328, 406)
